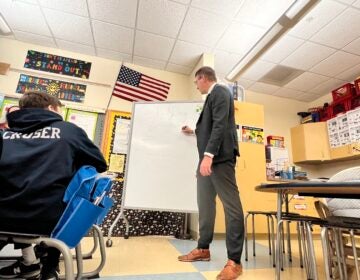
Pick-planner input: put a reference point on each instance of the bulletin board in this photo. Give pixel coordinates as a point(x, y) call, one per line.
point(86, 120)
point(6, 103)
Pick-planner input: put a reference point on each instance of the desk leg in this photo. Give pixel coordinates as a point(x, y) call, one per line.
point(278, 235)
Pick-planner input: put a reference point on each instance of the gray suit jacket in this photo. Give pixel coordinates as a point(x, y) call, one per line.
point(216, 130)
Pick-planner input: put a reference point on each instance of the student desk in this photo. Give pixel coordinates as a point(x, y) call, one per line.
point(308, 188)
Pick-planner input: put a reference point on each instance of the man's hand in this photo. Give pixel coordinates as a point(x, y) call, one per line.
point(187, 130)
point(205, 166)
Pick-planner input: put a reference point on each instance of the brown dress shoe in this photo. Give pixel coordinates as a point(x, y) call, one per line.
point(231, 271)
point(196, 255)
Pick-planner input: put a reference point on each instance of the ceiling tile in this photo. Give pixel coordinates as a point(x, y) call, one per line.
point(262, 12)
point(109, 54)
point(187, 54)
point(113, 37)
point(258, 70)
point(349, 2)
point(34, 2)
point(75, 47)
point(245, 83)
point(336, 63)
point(69, 27)
point(225, 7)
point(34, 39)
point(225, 61)
point(24, 17)
point(356, 4)
point(307, 55)
point(147, 62)
point(283, 48)
point(77, 7)
point(202, 27)
point(322, 14)
point(183, 1)
point(353, 47)
point(122, 12)
point(160, 17)
point(153, 46)
point(306, 81)
point(336, 34)
point(350, 74)
point(179, 69)
point(240, 38)
point(327, 86)
point(263, 88)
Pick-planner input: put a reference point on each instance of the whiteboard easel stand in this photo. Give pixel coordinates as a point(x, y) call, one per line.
point(184, 235)
point(121, 214)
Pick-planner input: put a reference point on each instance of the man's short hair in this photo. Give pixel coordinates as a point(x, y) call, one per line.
point(37, 99)
point(207, 72)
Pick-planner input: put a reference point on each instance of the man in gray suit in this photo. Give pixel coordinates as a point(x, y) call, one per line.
point(218, 148)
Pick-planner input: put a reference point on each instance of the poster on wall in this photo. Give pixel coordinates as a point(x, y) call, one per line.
point(252, 134)
point(5, 105)
point(86, 120)
point(57, 64)
point(62, 90)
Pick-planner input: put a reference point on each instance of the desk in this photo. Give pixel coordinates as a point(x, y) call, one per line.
point(315, 189)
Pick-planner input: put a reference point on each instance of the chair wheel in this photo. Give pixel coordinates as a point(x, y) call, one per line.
point(126, 236)
point(109, 243)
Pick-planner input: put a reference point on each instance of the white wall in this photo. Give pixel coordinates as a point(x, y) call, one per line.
point(280, 114)
point(100, 83)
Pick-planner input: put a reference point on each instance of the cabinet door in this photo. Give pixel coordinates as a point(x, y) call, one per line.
point(310, 142)
point(250, 172)
point(346, 152)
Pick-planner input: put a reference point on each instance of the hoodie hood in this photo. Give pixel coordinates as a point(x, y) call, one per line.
point(30, 119)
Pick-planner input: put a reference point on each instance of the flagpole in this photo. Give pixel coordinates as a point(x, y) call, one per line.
point(107, 106)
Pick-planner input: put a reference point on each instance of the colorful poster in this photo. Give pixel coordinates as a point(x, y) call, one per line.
point(57, 64)
point(252, 134)
point(62, 90)
point(86, 120)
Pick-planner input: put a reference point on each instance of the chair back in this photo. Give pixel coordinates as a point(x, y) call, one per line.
point(88, 202)
point(345, 207)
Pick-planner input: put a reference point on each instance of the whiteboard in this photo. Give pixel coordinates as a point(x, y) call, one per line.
point(162, 161)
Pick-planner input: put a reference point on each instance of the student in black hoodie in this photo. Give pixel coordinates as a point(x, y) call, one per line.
point(40, 155)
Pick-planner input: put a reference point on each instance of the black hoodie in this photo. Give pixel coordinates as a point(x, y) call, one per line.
point(40, 155)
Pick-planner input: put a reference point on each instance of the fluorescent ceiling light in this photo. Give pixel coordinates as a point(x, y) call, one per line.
point(296, 8)
point(4, 27)
point(291, 16)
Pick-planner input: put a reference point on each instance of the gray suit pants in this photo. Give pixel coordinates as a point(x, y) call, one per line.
point(222, 182)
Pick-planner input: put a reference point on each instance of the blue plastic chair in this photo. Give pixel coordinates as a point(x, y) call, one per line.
point(87, 204)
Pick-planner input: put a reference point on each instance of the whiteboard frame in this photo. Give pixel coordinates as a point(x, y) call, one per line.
point(123, 207)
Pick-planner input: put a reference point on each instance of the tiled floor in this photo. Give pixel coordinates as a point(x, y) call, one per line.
point(155, 258)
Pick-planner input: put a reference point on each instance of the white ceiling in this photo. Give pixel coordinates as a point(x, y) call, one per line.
point(172, 34)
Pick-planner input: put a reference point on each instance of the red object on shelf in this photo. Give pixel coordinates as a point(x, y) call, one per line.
point(344, 91)
point(355, 101)
point(357, 86)
point(341, 106)
point(325, 113)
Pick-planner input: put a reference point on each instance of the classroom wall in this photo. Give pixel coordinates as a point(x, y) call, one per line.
point(100, 83)
point(280, 114)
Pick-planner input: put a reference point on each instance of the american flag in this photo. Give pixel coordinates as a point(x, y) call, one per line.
point(134, 86)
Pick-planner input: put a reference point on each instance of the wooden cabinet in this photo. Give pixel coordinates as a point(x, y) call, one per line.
point(250, 169)
point(346, 152)
point(310, 143)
